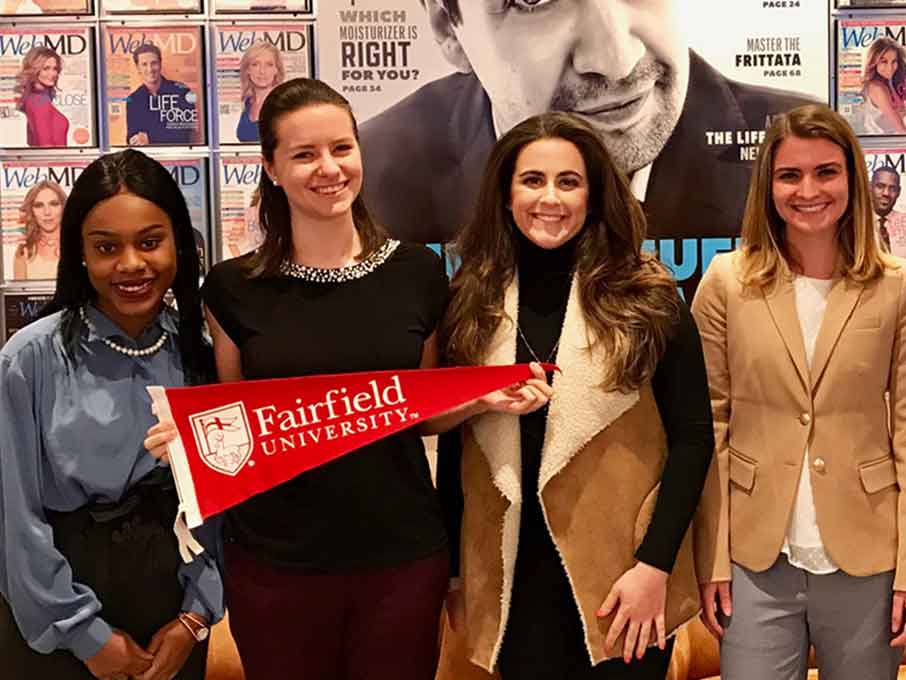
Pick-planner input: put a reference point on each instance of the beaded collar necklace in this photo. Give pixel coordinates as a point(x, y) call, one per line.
point(128, 351)
point(340, 274)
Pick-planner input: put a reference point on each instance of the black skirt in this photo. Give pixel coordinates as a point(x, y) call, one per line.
point(127, 554)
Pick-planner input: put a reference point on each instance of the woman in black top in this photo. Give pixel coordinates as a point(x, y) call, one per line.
point(342, 571)
point(583, 506)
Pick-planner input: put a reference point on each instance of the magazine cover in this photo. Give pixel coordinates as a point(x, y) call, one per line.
point(264, 6)
point(47, 88)
point(32, 195)
point(191, 174)
point(887, 173)
point(871, 74)
point(20, 309)
point(250, 60)
point(114, 7)
point(155, 85)
point(238, 228)
point(18, 8)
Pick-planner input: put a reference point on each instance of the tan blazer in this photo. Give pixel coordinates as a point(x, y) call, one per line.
point(768, 406)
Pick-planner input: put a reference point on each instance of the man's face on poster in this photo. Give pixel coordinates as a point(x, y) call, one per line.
point(149, 69)
point(885, 190)
point(620, 64)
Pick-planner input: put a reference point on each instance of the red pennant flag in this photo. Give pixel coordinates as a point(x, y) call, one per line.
point(242, 438)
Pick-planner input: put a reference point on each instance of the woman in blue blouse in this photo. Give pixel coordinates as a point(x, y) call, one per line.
point(90, 576)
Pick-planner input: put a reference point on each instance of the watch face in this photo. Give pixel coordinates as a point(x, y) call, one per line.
point(199, 631)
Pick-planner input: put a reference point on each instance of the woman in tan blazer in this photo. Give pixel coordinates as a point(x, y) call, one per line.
point(803, 335)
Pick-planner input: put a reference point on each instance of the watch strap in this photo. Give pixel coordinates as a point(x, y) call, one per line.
point(195, 625)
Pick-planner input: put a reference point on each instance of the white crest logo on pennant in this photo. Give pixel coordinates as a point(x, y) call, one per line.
point(223, 437)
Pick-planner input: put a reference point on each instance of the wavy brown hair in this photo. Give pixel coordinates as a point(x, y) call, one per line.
point(273, 209)
point(27, 77)
point(766, 254)
point(629, 299)
point(27, 215)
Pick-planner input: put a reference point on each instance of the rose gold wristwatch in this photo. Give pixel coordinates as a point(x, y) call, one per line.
point(195, 625)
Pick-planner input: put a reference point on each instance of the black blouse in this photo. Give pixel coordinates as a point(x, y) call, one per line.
point(375, 506)
point(680, 389)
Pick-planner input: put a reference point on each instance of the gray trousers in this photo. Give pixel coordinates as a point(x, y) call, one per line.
point(778, 613)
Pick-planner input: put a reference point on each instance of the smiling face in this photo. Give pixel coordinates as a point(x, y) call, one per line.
point(317, 162)
point(149, 68)
point(810, 186)
point(263, 70)
point(885, 190)
point(130, 254)
point(622, 66)
point(47, 210)
point(887, 64)
point(549, 192)
point(49, 73)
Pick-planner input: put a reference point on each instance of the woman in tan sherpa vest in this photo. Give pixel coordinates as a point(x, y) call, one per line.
point(573, 560)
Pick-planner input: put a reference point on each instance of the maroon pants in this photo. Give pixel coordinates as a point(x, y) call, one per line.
point(376, 624)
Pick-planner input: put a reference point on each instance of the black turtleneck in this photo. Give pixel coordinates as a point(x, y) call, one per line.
point(680, 389)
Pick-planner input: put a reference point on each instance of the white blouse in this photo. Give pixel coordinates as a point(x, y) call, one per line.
point(803, 546)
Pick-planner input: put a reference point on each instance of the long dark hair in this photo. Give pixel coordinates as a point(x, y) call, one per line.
point(896, 89)
point(136, 173)
point(628, 298)
point(273, 210)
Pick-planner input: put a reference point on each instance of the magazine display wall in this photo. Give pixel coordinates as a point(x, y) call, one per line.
point(178, 79)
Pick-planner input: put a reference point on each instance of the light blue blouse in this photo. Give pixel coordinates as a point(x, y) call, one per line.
point(71, 433)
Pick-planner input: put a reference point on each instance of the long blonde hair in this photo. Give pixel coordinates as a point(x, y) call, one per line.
point(766, 255)
point(246, 87)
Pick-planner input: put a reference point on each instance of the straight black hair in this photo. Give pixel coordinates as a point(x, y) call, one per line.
point(133, 172)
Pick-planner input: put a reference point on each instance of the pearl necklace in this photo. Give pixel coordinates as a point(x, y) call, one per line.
point(128, 351)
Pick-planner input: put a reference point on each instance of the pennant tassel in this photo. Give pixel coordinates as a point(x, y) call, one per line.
point(189, 547)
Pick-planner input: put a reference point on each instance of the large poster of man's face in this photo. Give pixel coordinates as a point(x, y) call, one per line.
point(682, 113)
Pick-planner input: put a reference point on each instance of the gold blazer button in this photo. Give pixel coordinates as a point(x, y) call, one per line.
point(805, 419)
point(818, 465)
